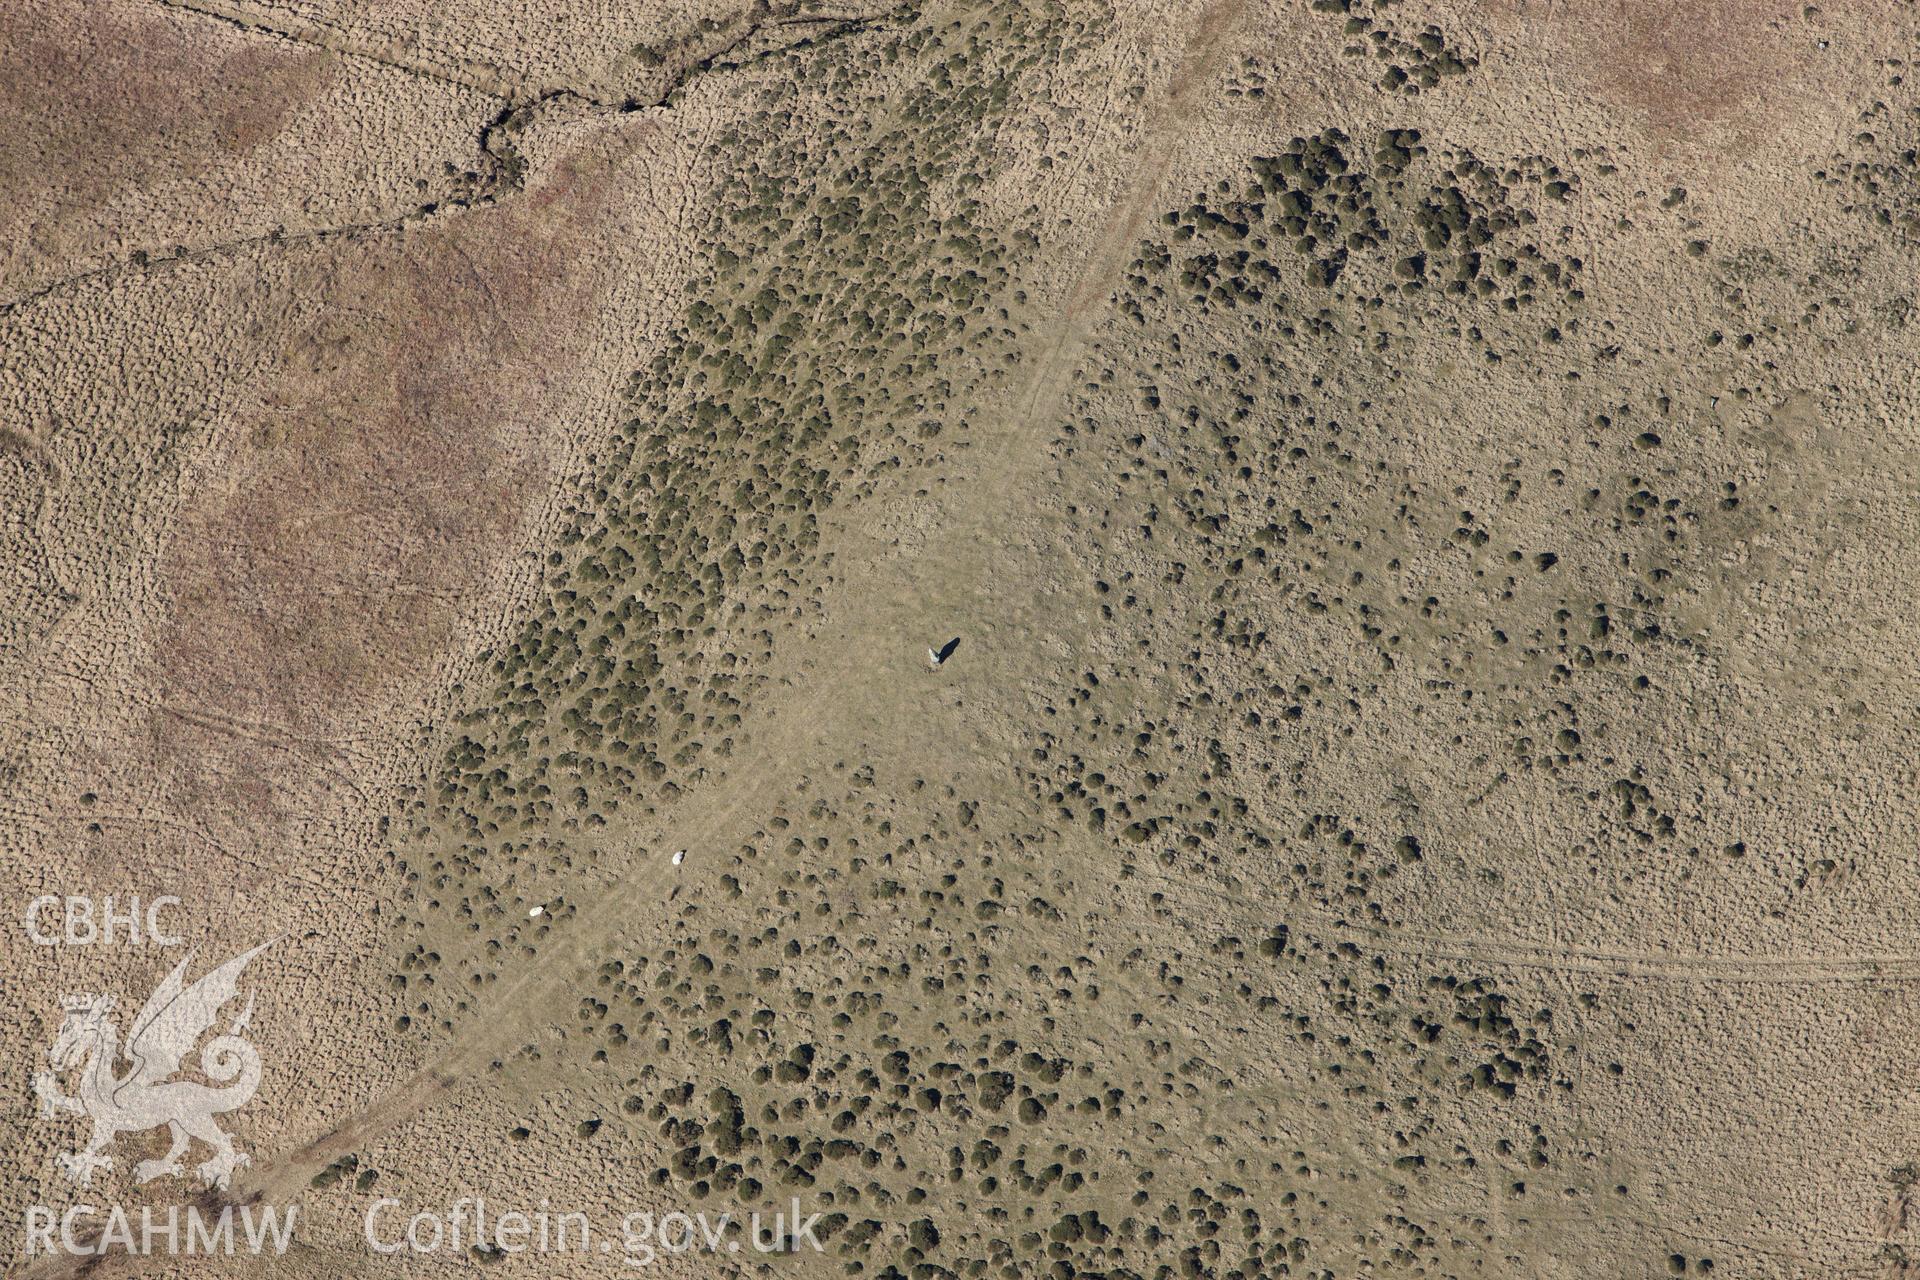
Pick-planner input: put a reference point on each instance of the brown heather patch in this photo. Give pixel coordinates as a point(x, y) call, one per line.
point(391, 459)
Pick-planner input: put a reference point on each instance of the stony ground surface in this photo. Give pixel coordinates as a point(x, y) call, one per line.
point(1424, 493)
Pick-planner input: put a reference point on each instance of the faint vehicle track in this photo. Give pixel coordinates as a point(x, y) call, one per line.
point(1120, 231)
point(1511, 953)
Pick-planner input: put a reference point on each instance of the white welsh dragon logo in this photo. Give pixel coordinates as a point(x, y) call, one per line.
point(173, 1019)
